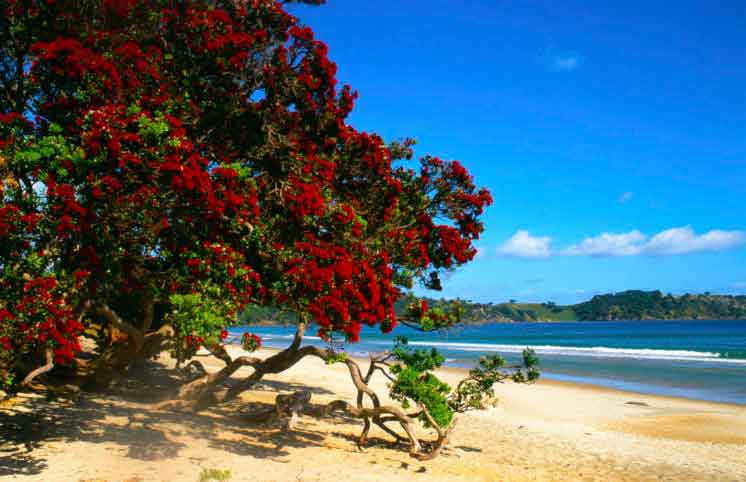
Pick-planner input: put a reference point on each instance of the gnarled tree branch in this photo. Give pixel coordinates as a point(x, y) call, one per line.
point(135, 336)
point(369, 413)
point(40, 370)
point(443, 435)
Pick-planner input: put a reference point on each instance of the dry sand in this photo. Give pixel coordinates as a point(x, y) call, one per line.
point(546, 432)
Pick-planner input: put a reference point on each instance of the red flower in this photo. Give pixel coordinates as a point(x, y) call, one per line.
point(251, 342)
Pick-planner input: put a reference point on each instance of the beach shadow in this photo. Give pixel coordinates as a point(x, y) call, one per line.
point(380, 440)
point(282, 387)
point(124, 416)
point(146, 382)
point(373, 441)
point(267, 442)
point(22, 432)
point(21, 464)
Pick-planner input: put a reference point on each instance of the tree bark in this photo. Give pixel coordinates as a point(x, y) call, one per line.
point(40, 370)
point(134, 335)
point(443, 436)
point(205, 391)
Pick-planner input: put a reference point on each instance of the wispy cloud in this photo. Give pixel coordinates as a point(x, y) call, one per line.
point(684, 240)
point(672, 241)
point(523, 245)
point(565, 61)
point(608, 244)
point(626, 197)
point(739, 285)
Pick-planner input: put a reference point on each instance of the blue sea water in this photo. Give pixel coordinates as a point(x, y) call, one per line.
point(695, 359)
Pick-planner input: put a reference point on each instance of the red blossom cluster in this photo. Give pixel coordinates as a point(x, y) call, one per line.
point(304, 199)
point(350, 286)
point(193, 342)
point(227, 269)
point(251, 342)
point(41, 317)
point(69, 60)
point(203, 147)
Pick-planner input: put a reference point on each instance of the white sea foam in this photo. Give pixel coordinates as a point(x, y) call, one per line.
point(596, 351)
point(268, 337)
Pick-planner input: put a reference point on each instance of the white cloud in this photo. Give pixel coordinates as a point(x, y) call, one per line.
point(626, 197)
point(608, 244)
point(672, 241)
point(684, 240)
point(523, 245)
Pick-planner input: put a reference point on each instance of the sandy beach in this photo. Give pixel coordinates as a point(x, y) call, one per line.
point(549, 431)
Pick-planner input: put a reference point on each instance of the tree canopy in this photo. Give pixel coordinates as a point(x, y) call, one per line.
point(160, 151)
point(163, 164)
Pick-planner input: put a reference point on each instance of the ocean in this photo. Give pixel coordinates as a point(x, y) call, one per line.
point(697, 359)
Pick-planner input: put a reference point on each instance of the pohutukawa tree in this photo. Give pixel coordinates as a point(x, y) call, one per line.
point(165, 163)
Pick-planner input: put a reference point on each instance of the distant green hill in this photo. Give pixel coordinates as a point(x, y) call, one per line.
point(511, 312)
point(654, 305)
point(626, 305)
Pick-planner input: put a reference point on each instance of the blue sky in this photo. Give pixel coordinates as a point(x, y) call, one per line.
point(612, 137)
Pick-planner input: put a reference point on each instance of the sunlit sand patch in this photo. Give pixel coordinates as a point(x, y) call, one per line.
point(702, 427)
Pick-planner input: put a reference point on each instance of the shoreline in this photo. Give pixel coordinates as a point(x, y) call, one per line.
point(273, 324)
point(567, 383)
point(652, 396)
point(660, 417)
